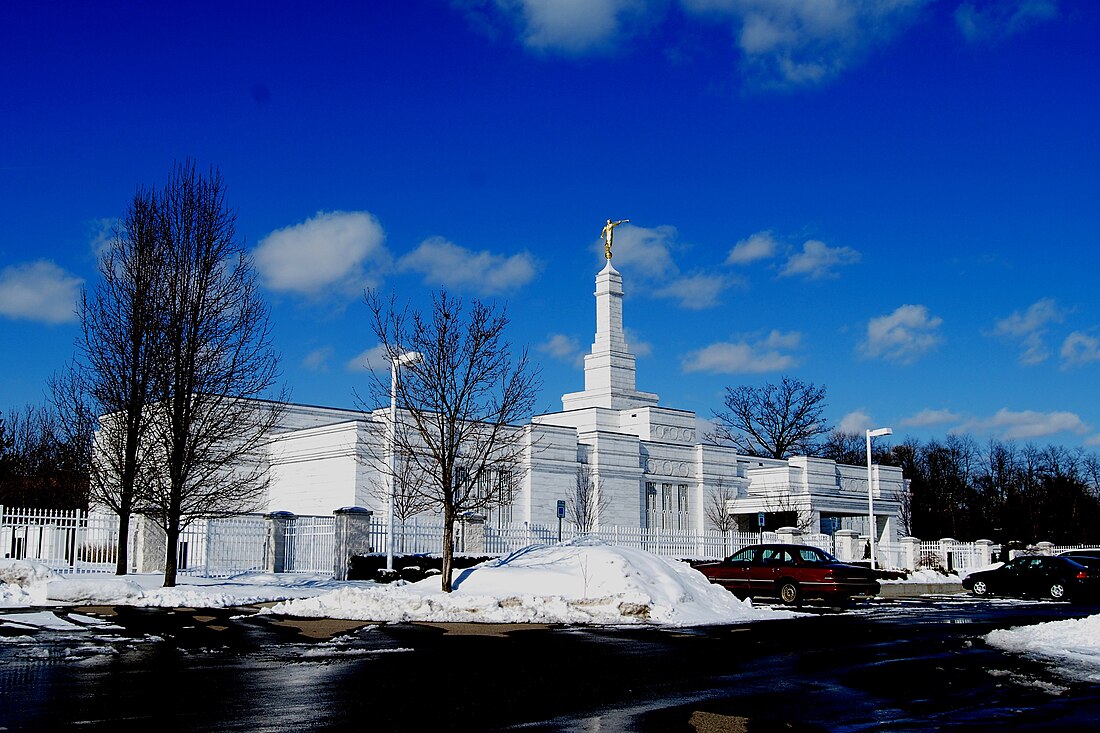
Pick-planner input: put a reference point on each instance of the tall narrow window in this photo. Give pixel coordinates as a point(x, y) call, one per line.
point(682, 506)
point(651, 518)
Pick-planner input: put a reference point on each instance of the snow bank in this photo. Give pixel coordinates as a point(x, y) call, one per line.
point(23, 582)
point(1074, 644)
point(583, 581)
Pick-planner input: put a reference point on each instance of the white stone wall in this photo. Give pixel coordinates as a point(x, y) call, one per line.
point(315, 470)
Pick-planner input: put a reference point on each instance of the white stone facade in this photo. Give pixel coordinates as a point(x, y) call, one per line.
point(651, 465)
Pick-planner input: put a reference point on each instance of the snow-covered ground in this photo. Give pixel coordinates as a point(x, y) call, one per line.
point(1072, 645)
point(579, 582)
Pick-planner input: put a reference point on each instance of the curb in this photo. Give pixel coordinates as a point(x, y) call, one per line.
point(910, 590)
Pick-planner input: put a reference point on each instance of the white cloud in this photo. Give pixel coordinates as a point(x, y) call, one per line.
point(1080, 349)
point(373, 359)
point(759, 246)
point(928, 418)
point(317, 360)
point(792, 43)
point(340, 251)
point(1029, 424)
point(694, 292)
point(576, 26)
point(746, 357)
point(854, 422)
point(444, 263)
point(647, 254)
point(39, 291)
point(563, 348)
point(818, 261)
point(996, 20)
point(1029, 328)
point(902, 336)
point(638, 346)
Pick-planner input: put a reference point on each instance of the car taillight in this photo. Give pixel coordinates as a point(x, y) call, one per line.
point(1082, 575)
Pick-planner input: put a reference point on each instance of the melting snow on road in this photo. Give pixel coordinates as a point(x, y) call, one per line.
point(1072, 645)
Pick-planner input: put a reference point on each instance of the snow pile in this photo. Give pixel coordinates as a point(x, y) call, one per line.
point(584, 581)
point(1074, 644)
point(929, 577)
point(23, 583)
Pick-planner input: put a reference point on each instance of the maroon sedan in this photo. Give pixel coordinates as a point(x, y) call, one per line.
point(791, 573)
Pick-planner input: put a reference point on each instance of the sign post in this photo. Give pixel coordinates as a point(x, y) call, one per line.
point(561, 516)
point(760, 524)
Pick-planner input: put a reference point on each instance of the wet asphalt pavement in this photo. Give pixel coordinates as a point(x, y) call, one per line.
point(905, 665)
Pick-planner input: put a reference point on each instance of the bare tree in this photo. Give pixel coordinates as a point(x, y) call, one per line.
point(716, 506)
point(119, 356)
point(209, 422)
point(785, 505)
point(588, 501)
point(716, 510)
point(459, 405)
point(772, 420)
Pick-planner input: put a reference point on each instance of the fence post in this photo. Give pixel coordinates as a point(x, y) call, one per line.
point(789, 535)
point(985, 552)
point(1045, 548)
point(947, 556)
point(150, 545)
point(845, 542)
point(910, 551)
point(352, 538)
point(275, 524)
point(473, 532)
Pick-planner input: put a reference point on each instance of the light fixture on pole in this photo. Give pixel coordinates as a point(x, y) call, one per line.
point(403, 359)
point(872, 530)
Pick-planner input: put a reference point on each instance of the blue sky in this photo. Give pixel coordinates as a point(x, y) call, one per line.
point(897, 200)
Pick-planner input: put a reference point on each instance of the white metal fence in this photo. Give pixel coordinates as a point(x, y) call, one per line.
point(309, 544)
point(217, 548)
point(79, 542)
point(64, 540)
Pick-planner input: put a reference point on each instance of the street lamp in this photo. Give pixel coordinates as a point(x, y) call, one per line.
point(404, 359)
point(870, 491)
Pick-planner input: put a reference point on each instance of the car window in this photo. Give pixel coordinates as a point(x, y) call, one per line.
point(772, 554)
point(811, 555)
point(744, 555)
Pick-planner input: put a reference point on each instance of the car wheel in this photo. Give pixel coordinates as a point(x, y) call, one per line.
point(789, 592)
point(1057, 591)
point(980, 588)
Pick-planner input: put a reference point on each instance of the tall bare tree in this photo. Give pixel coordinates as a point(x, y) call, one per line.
point(119, 356)
point(772, 420)
point(588, 501)
point(459, 404)
point(216, 364)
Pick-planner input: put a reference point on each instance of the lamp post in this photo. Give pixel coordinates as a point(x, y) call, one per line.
point(408, 357)
point(872, 530)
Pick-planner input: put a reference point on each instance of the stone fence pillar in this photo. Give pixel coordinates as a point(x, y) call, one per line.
point(1045, 548)
point(275, 555)
point(910, 551)
point(845, 541)
point(985, 551)
point(789, 535)
point(150, 545)
point(947, 557)
point(352, 538)
point(473, 532)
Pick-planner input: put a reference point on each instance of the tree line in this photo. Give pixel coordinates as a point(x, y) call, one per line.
point(959, 487)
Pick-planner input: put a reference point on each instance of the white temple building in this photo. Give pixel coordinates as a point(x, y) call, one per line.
point(652, 468)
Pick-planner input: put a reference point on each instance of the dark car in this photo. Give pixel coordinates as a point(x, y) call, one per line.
point(791, 573)
point(1039, 576)
point(1090, 553)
